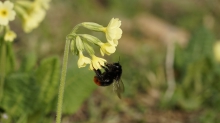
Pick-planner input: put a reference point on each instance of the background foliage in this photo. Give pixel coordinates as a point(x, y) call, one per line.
point(30, 93)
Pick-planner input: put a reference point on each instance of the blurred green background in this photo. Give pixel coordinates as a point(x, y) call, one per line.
point(170, 72)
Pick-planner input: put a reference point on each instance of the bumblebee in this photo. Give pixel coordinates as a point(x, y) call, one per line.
point(112, 74)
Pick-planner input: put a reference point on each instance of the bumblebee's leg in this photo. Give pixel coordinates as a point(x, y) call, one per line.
point(109, 66)
point(98, 73)
point(105, 68)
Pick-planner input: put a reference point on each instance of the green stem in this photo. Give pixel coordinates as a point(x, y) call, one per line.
point(2, 68)
point(75, 28)
point(62, 82)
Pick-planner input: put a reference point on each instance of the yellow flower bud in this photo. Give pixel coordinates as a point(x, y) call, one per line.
point(79, 43)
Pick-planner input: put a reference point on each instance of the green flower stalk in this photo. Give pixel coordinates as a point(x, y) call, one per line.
point(7, 14)
point(78, 43)
point(62, 82)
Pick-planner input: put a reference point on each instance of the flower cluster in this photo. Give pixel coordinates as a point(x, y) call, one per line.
point(31, 13)
point(81, 42)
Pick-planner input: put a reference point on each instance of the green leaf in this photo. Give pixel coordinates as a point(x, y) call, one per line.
point(197, 72)
point(200, 46)
point(7, 57)
point(20, 94)
point(47, 76)
point(10, 57)
point(79, 86)
point(28, 62)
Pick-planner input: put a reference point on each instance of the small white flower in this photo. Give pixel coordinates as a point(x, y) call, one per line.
point(83, 60)
point(10, 36)
point(4, 116)
point(6, 12)
point(107, 48)
point(97, 62)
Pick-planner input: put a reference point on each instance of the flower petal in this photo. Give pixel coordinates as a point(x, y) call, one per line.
point(83, 61)
point(97, 62)
point(8, 4)
point(102, 53)
point(113, 31)
point(107, 48)
point(6, 12)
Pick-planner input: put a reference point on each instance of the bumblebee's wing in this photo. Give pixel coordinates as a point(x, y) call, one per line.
point(118, 87)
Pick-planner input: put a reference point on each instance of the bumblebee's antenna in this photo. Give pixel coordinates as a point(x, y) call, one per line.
point(118, 59)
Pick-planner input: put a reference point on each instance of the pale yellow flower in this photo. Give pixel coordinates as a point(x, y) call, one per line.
point(83, 60)
point(216, 50)
point(97, 62)
point(32, 13)
point(10, 36)
point(107, 48)
point(43, 3)
point(6, 12)
point(33, 19)
point(113, 31)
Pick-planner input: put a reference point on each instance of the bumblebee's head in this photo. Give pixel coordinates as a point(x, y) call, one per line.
point(117, 65)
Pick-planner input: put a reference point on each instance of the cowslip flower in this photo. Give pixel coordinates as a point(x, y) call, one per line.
point(216, 50)
point(83, 60)
point(80, 42)
point(10, 36)
point(97, 63)
point(107, 48)
point(6, 12)
point(33, 19)
point(113, 31)
point(32, 13)
point(44, 3)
